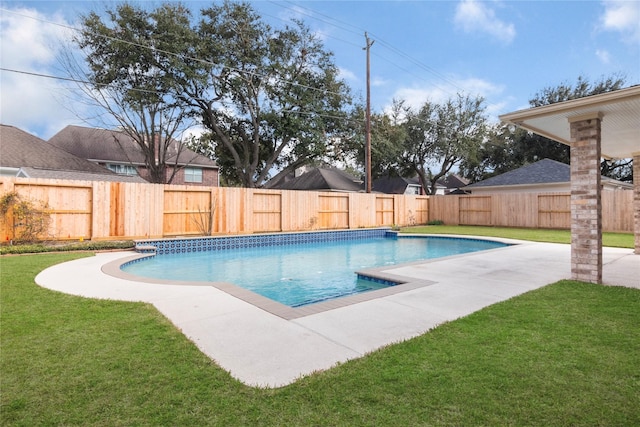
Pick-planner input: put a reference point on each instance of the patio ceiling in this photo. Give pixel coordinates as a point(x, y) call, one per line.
point(620, 112)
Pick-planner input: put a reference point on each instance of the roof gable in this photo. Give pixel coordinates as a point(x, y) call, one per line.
point(323, 179)
point(453, 181)
point(21, 149)
point(106, 145)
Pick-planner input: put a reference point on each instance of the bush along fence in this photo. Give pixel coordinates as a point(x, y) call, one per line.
point(96, 210)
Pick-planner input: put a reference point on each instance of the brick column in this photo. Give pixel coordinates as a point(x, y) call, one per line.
point(586, 203)
point(636, 200)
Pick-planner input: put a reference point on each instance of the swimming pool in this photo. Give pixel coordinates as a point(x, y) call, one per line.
point(302, 272)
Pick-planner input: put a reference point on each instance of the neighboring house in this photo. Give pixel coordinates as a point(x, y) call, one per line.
point(397, 185)
point(118, 152)
point(542, 176)
point(25, 155)
point(451, 184)
point(322, 179)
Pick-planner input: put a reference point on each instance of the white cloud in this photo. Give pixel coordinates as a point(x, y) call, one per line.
point(603, 56)
point(472, 16)
point(28, 44)
point(439, 93)
point(347, 75)
point(622, 16)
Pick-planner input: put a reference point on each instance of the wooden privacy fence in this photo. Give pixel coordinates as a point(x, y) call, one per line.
point(118, 210)
point(529, 210)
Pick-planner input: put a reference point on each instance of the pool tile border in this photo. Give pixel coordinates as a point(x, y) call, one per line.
point(214, 243)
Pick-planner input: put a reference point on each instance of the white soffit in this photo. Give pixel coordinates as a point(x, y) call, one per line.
point(620, 112)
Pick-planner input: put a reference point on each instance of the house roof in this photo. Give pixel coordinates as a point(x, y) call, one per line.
point(104, 145)
point(619, 110)
point(545, 171)
point(36, 158)
point(393, 185)
point(323, 180)
point(453, 181)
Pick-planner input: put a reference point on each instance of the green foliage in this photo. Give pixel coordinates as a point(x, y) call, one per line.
point(507, 149)
point(132, 77)
point(427, 142)
point(27, 219)
point(566, 91)
point(269, 98)
point(565, 354)
point(439, 137)
point(66, 247)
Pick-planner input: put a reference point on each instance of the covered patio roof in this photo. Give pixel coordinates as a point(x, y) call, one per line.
point(619, 110)
point(605, 125)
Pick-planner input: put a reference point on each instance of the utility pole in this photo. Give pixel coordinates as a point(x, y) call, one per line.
point(367, 124)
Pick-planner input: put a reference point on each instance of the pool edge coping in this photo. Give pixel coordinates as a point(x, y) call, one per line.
point(286, 312)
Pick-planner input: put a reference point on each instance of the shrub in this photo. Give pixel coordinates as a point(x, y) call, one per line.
point(75, 246)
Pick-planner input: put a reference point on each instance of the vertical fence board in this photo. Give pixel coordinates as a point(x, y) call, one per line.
point(69, 205)
point(554, 211)
point(445, 209)
point(362, 212)
point(421, 212)
point(384, 210)
point(267, 211)
point(333, 210)
point(299, 210)
point(475, 210)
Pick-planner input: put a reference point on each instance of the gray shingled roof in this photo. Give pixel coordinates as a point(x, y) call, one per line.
point(39, 159)
point(453, 181)
point(105, 145)
point(393, 185)
point(544, 171)
point(323, 180)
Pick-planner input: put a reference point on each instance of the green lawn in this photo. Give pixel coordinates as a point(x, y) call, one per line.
point(566, 354)
point(618, 240)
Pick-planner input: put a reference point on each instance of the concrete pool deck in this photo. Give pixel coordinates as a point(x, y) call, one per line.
point(262, 349)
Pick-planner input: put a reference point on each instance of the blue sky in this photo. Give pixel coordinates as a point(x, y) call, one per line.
point(505, 51)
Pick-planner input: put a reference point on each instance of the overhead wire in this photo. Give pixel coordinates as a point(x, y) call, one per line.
point(299, 9)
point(177, 55)
point(311, 13)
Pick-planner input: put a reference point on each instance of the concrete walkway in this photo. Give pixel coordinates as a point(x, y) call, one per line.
point(261, 349)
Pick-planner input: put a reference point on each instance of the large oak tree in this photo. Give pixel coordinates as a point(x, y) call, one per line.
point(270, 99)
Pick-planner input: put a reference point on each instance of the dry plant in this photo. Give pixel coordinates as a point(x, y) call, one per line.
point(203, 219)
point(27, 219)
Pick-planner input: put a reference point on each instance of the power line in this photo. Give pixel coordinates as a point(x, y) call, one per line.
point(206, 62)
point(74, 80)
point(179, 56)
point(358, 31)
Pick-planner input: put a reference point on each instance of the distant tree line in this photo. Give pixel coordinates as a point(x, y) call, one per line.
point(271, 101)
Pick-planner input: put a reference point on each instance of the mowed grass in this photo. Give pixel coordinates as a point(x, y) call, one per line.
point(617, 240)
point(566, 354)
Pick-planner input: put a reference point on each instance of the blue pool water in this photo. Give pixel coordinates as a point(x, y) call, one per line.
point(301, 274)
